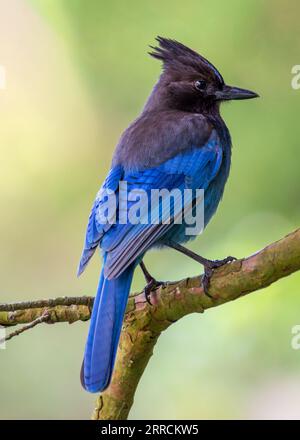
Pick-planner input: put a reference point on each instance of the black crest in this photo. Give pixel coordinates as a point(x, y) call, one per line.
point(177, 56)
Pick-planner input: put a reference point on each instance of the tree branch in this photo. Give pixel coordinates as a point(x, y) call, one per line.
point(43, 318)
point(62, 309)
point(144, 323)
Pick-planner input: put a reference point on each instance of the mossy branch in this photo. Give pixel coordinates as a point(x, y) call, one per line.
point(144, 323)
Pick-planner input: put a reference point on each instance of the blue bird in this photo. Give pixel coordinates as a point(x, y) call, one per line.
point(180, 142)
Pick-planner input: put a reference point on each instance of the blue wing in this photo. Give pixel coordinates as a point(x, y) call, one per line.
point(124, 243)
point(96, 228)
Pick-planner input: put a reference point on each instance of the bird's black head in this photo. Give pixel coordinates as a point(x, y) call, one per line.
point(189, 82)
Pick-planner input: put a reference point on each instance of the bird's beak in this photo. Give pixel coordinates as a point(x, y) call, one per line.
point(228, 93)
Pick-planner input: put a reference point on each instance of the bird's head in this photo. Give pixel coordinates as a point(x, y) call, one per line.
point(189, 82)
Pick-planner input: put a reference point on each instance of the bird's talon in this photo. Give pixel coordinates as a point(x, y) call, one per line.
point(214, 264)
point(206, 281)
point(209, 270)
point(150, 286)
point(229, 259)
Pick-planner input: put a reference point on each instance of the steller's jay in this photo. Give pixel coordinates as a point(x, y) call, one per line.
point(179, 141)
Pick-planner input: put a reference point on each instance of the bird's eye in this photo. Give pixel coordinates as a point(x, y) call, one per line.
point(200, 84)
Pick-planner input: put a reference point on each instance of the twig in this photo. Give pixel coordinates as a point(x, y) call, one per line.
point(44, 318)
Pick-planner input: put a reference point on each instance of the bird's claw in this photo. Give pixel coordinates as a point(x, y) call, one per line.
point(150, 286)
point(209, 270)
point(219, 263)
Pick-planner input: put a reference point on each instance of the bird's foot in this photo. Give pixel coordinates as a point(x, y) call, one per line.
point(209, 267)
point(150, 286)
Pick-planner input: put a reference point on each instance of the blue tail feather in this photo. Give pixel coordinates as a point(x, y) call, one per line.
point(105, 328)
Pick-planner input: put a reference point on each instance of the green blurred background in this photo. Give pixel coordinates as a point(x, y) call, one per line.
point(77, 74)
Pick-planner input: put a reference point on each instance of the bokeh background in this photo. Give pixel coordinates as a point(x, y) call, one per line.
point(77, 73)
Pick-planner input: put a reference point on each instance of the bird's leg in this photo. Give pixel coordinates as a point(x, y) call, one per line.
point(152, 284)
point(209, 265)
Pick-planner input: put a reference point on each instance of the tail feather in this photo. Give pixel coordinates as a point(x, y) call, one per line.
point(105, 328)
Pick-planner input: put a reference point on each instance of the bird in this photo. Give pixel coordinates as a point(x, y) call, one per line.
point(179, 141)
